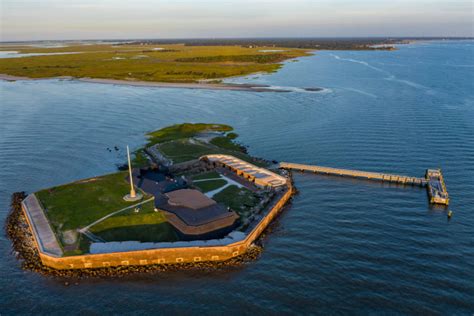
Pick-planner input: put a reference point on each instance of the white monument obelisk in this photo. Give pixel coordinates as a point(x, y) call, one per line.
point(132, 196)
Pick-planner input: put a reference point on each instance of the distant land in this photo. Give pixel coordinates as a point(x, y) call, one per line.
point(141, 62)
point(199, 62)
point(182, 63)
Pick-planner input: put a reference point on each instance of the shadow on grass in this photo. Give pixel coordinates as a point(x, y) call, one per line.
point(162, 232)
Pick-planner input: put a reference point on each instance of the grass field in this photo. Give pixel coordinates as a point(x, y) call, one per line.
point(241, 200)
point(227, 142)
point(145, 226)
point(78, 204)
point(158, 63)
point(207, 175)
point(184, 150)
point(185, 130)
point(176, 143)
point(206, 186)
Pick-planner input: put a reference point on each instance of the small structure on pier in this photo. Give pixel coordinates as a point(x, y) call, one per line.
point(436, 187)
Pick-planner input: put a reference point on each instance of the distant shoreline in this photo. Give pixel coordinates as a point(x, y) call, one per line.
point(204, 86)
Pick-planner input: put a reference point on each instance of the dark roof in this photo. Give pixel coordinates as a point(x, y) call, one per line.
point(190, 199)
point(202, 216)
point(194, 208)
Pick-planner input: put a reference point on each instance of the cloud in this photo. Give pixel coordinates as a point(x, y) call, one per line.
point(57, 19)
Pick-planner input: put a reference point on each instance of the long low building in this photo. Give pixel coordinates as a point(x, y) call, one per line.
point(260, 176)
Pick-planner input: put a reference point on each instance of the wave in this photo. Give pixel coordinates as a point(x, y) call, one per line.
point(361, 92)
point(366, 64)
point(457, 65)
point(408, 83)
point(296, 89)
point(390, 76)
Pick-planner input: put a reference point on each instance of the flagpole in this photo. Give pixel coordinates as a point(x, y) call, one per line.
point(132, 189)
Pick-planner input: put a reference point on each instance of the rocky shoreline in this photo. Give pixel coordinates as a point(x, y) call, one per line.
point(24, 248)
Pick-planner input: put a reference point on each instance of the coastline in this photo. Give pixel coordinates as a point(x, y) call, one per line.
point(202, 86)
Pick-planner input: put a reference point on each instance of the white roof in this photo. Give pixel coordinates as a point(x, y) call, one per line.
point(264, 176)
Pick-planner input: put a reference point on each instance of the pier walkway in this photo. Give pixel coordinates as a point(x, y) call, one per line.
point(355, 173)
point(433, 180)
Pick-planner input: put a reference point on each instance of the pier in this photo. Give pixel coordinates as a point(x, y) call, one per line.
point(433, 180)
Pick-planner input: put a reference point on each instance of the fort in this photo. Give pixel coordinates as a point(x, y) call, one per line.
point(194, 195)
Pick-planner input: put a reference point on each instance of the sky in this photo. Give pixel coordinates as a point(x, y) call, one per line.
point(127, 19)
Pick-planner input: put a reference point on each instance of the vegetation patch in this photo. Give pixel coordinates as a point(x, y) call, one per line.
point(227, 142)
point(162, 63)
point(210, 185)
point(260, 58)
point(185, 130)
point(140, 159)
point(79, 204)
point(146, 225)
point(241, 200)
point(163, 232)
point(184, 150)
point(206, 175)
point(177, 142)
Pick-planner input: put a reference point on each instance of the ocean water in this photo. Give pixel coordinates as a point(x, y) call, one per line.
point(343, 245)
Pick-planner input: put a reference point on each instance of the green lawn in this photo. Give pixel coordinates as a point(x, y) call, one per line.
point(82, 246)
point(176, 144)
point(210, 185)
point(140, 159)
point(184, 150)
point(163, 232)
point(241, 200)
point(207, 175)
point(185, 130)
point(226, 143)
point(145, 226)
point(78, 204)
point(181, 150)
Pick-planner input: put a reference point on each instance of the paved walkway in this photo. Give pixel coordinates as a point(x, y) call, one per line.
point(84, 229)
point(41, 228)
point(230, 182)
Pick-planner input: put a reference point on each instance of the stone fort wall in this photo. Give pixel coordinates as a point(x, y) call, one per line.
point(165, 255)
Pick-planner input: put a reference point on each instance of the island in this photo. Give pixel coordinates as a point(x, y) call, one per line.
point(159, 65)
point(191, 196)
point(193, 64)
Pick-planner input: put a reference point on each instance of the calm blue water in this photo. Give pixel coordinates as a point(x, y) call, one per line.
point(344, 246)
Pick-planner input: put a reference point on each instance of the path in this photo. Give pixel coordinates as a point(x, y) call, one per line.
point(44, 235)
point(85, 229)
point(230, 182)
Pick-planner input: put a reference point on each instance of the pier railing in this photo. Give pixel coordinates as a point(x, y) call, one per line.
point(355, 173)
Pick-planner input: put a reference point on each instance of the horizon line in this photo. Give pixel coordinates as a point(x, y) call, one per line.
point(246, 38)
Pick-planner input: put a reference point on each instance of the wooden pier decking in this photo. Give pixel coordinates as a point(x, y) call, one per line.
point(433, 179)
point(356, 173)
